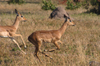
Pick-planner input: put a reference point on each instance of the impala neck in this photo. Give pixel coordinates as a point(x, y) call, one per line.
point(63, 28)
point(16, 23)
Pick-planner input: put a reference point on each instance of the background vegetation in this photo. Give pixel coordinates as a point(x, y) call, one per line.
point(81, 43)
point(48, 5)
point(16, 1)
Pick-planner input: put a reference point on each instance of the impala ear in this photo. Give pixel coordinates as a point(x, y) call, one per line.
point(68, 17)
point(16, 12)
point(65, 16)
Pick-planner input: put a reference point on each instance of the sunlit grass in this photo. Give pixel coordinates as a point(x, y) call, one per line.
point(80, 42)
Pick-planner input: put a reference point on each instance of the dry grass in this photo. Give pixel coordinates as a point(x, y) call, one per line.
point(81, 43)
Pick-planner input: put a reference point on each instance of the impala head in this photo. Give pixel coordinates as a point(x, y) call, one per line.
point(69, 21)
point(19, 16)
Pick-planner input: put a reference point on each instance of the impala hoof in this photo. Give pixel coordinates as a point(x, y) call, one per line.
point(24, 52)
point(25, 47)
point(51, 58)
point(45, 50)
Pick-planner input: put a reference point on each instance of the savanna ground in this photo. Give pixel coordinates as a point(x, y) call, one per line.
point(81, 43)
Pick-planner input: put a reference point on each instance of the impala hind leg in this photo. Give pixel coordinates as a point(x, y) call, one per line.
point(47, 55)
point(36, 47)
point(39, 45)
point(36, 53)
point(37, 50)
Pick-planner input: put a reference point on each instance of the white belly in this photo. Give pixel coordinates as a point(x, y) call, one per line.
point(4, 34)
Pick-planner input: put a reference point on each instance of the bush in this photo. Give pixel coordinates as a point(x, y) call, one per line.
point(16, 1)
point(94, 2)
point(71, 6)
point(48, 5)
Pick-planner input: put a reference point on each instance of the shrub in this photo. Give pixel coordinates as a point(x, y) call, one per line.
point(16, 1)
point(47, 5)
point(94, 2)
point(71, 6)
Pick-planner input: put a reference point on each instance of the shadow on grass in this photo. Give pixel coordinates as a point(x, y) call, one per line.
point(94, 10)
point(13, 12)
point(35, 2)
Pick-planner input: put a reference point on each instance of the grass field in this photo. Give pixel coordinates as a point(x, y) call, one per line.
point(81, 43)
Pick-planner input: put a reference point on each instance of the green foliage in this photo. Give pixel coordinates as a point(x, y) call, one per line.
point(16, 1)
point(15, 49)
point(47, 5)
point(94, 2)
point(71, 6)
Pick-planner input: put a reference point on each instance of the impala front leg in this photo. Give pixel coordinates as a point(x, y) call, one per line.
point(21, 38)
point(17, 44)
point(60, 42)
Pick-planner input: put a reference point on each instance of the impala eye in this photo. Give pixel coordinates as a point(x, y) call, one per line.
point(21, 16)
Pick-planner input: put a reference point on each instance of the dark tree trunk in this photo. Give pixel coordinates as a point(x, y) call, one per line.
point(76, 0)
point(99, 8)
